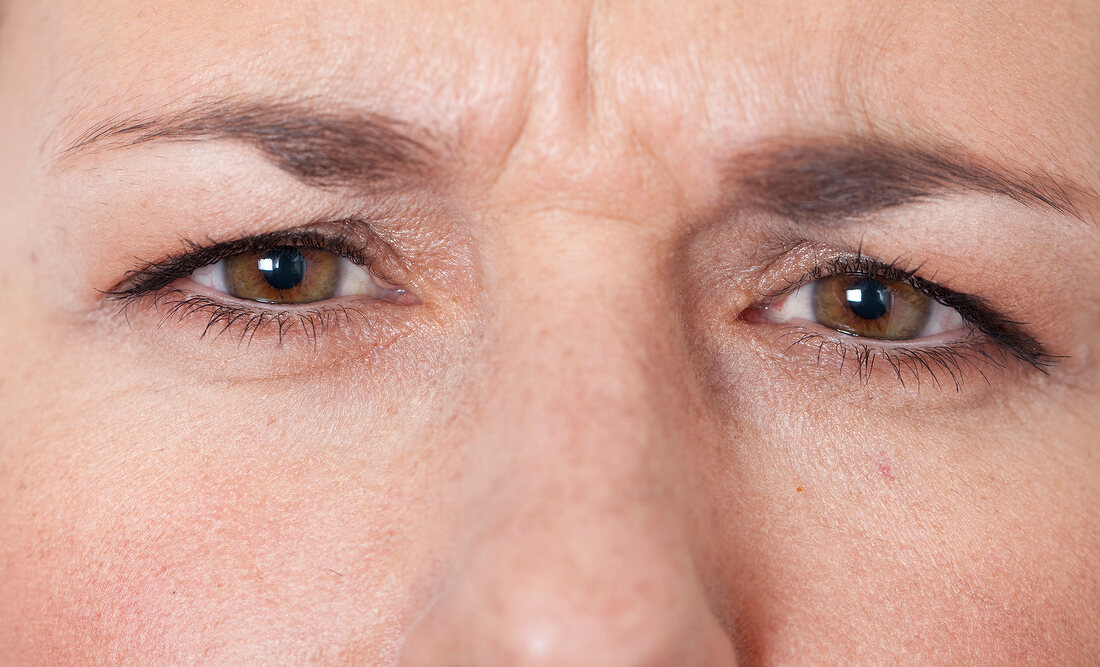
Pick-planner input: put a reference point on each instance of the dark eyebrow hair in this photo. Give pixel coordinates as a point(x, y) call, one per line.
point(846, 177)
point(324, 148)
point(825, 178)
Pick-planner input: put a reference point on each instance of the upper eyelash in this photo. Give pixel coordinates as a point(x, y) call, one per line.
point(156, 275)
point(1008, 334)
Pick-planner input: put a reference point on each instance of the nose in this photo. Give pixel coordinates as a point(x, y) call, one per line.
point(581, 530)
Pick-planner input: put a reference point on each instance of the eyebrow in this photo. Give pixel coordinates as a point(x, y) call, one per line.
point(835, 179)
point(322, 148)
point(809, 179)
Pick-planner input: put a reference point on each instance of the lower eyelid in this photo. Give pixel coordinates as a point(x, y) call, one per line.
point(831, 356)
point(796, 329)
point(250, 340)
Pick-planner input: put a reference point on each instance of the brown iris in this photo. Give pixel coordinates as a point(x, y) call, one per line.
point(865, 306)
point(283, 275)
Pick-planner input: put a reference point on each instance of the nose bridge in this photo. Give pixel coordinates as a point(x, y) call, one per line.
point(576, 551)
point(588, 374)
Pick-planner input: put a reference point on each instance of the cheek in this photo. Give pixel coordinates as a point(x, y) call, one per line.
point(955, 551)
point(227, 555)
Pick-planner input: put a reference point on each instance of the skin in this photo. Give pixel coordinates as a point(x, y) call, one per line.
point(572, 451)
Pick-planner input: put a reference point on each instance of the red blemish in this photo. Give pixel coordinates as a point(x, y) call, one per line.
point(884, 467)
point(798, 489)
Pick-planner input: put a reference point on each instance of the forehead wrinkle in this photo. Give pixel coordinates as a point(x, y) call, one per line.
point(864, 43)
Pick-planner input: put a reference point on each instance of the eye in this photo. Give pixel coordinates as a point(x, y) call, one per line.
point(287, 275)
point(287, 287)
point(886, 313)
point(866, 306)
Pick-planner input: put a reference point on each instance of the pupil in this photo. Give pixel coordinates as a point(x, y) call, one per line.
point(868, 298)
point(283, 268)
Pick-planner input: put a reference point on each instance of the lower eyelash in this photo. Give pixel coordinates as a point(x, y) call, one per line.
point(945, 365)
point(178, 305)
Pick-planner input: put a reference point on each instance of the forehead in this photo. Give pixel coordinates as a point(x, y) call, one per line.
point(1014, 78)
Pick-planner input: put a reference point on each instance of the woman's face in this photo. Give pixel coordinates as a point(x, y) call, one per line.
point(573, 333)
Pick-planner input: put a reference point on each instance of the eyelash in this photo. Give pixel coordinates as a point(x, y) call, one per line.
point(153, 280)
point(994, 339)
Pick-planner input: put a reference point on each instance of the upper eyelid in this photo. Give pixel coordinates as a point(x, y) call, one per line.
point(857, 263)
